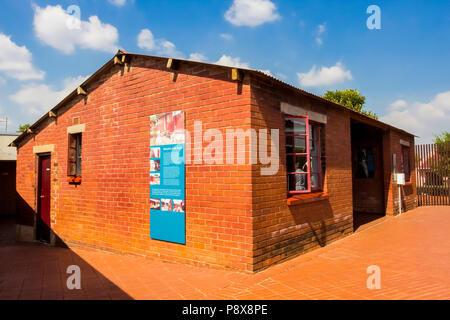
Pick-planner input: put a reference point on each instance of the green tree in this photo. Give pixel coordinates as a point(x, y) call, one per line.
point(351, 99)
point(442, 139)
point(23, 128)
point(442, 166)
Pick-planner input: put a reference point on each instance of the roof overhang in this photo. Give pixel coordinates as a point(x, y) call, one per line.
point(121, 58)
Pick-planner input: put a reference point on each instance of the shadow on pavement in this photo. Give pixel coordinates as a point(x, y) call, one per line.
point(37, 271)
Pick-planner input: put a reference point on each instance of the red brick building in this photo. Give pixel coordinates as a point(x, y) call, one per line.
point(334, 165)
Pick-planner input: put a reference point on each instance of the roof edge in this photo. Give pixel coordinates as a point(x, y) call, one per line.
point(251, 71)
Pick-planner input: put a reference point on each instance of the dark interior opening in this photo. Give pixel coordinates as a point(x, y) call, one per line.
point(8, 188)
point(367, 174)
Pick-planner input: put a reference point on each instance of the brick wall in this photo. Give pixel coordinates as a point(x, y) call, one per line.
point(236, 217)
point(281, 230)
point(409, 191)
point(111, 208)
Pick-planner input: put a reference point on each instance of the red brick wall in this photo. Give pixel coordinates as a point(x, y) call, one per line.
point(236, 218)
point(409, 191)
point(111, 209)
point(283, 231)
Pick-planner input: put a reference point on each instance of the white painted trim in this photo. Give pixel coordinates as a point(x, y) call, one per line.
point(299, 111)
point(405, 143)
point(79, 128)
point(44, 148)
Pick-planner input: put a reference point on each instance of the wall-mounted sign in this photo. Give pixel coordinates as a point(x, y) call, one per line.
point(400, 179)
point(167, 177)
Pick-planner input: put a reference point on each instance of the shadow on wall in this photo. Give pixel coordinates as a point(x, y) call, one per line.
point(24, 212)
point(315, 215)
point(7, 188)
point(7, 231)
point(38, 271)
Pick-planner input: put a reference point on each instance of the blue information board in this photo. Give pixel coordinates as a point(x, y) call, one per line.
point(167, 178)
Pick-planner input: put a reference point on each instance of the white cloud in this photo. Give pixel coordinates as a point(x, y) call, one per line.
point(321, 28)
point(147, 41)
point(226, 36)
point(15, 61)
point(198, 57)
point(251, 13)
point(399, 104)
point(36, 99)
point(118, 3)
point(422, 119)
point(232, 62)
point(60, 30)
point(325, 76)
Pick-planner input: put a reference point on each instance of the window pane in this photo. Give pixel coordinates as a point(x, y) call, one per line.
point(314, 164)
point(315, 183)
point(301, 164)
point(300, 145)
point(298, 182)
point(73, 155)
point(405, 163)
point(289, 144)
point(73, 141)
point(290, 163)
point(296, 164)
point(78, 160)
point(295, 144)
point(297, 126)
point(366, 163)
point(312, 139)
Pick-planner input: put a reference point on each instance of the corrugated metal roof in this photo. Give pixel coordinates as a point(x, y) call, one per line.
point(251, 71)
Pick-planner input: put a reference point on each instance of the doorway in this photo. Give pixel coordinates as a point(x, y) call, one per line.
point(43, 199)
point(367, 174)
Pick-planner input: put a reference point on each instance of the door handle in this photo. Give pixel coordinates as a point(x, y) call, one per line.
point(42, 197)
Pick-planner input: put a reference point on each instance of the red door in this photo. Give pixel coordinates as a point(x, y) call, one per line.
point(43, 218)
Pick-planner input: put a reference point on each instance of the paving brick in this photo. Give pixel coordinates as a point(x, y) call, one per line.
point(414, 265)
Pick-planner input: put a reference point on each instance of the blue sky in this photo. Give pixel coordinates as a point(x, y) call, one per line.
point(402, 69)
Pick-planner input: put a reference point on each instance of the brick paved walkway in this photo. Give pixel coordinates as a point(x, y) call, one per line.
point(413, 252)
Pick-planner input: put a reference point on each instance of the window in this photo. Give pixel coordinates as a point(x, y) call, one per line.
point(74, 163)
point(406, 163)
point(366, 163)
point(303, 155)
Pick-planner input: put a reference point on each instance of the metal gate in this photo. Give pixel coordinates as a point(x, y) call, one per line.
point(433, 174)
